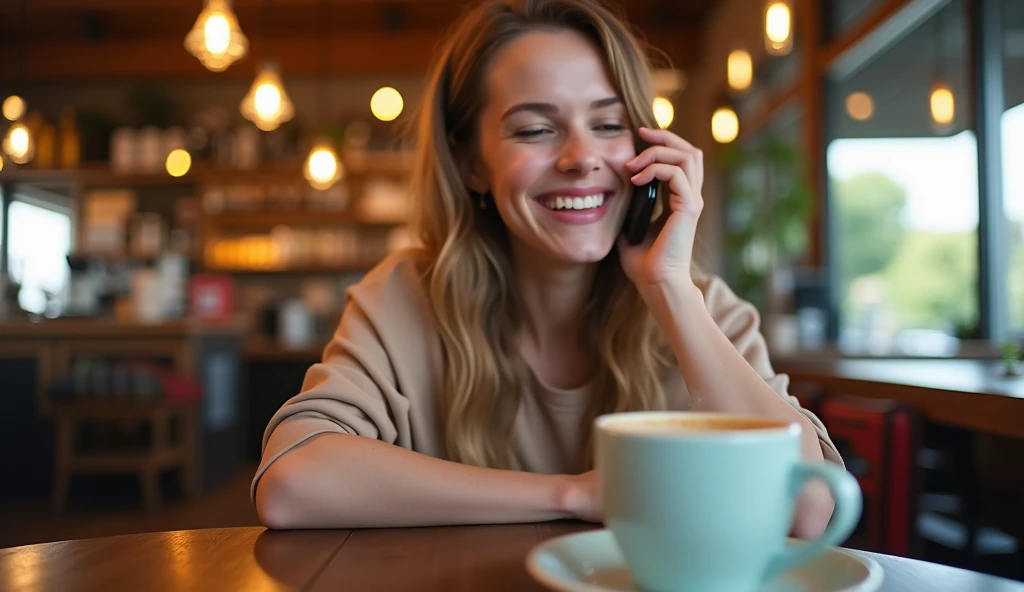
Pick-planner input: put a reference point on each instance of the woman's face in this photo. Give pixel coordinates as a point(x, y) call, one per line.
point(554, 137)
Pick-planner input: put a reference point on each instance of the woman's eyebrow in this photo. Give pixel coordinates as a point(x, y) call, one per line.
point(549, 108)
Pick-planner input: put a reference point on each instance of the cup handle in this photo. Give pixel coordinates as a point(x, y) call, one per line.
point(847, 495)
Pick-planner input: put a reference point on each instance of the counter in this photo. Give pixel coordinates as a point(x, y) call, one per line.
point(34, 355)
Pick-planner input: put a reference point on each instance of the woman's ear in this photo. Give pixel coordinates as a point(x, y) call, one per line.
point(473, 173)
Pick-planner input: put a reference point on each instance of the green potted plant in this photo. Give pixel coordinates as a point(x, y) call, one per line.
point(768, 205)
point(1011, 355)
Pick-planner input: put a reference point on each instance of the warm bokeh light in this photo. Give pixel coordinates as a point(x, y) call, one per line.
point(216, 40)
point(322, 168)
point(664, 112)
point(178, 163)
point(943, 105)
point(268, 100)
point(725, 125)
point(1, 163)
point(778, 27)
point(267, 104)
point(740, 69)
point(386, 104)
point(217, 34)
point(860, 106)
point(14, 107)
point(18, 144)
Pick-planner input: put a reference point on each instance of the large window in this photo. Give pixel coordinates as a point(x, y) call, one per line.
point(39, 240)
point(903, 182)
point(1012, 131)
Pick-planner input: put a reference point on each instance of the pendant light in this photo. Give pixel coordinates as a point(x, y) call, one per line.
point(322, 168)
point(18, 143)
point(267, 104)
point(740, 69)
point(725, 125)
point(778, 27)
point(216, 40)
point(664, 112)
point(13, 108)
point(941, 101)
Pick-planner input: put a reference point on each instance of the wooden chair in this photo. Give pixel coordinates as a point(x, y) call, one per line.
point(879, 441)
point(148, 463)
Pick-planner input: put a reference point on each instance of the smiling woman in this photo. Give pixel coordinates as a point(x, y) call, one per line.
point(465, 376)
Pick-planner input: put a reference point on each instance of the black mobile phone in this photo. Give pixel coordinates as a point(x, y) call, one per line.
point(641, 206)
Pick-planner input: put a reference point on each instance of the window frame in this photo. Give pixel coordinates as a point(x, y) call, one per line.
point(889, 23)
point(875, 32)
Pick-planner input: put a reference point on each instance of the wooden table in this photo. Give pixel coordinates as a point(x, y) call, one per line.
point(451, 559)
point(970, 394)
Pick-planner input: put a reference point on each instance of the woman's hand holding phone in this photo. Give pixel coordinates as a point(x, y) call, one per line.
point(667, 251)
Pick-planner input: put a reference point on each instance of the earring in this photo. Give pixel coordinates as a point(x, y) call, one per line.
point(483, 199)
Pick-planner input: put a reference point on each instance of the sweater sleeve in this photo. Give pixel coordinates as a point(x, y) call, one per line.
point(357, 386)
point(740, 321)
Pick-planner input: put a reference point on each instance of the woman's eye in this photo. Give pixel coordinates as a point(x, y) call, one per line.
point(610, 127)
point(531, 133)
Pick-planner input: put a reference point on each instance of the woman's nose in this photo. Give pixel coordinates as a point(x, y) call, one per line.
point(579, 155)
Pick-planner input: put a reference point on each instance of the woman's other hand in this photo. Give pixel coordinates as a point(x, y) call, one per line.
point(666, 253)
point(579, 497)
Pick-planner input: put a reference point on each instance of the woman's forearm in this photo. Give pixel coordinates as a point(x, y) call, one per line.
point(345, 481)
point(720, 379)
point(717, 376)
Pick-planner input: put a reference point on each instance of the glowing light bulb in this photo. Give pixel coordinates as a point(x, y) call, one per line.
point(740, 69)
point(178, 162)
point(18, 144)
point(778, 27)
point(943, 104)
point(322, 168)
point(860, 106)
point(14, 107)
point(267, 104)
point(725, 125)
point(664, 112)
point(386, 104)
point(215, 39)
point(268, 100)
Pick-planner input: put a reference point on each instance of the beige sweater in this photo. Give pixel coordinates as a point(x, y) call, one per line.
point(380, 374)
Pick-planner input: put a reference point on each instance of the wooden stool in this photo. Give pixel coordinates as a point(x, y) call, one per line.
point(148, 463)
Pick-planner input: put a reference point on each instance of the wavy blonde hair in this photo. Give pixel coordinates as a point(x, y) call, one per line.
point(468, 274)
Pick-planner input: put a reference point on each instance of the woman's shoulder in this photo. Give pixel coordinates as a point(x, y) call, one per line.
point(395, 280)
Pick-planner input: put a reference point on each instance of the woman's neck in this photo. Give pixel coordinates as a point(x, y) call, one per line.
point(554, 296)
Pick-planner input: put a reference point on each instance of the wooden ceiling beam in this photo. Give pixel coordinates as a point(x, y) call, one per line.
point(165, 58)
point(72, 6)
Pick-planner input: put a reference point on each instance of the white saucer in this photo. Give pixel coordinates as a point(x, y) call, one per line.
point(591, 562)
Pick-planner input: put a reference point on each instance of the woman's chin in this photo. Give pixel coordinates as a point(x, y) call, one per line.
point(585, 251)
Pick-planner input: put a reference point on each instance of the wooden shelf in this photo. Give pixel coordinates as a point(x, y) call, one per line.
point(101, 175)
point(311, 269)
point(297, 217)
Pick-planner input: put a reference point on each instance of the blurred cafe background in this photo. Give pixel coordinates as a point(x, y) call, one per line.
point(188, 187)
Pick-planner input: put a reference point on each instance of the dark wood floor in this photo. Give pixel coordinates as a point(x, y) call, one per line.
point(120, 512)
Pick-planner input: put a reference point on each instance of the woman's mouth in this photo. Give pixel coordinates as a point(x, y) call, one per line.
point(588, 202)
point(577, 208)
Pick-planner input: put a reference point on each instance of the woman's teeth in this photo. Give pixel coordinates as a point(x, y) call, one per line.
point(575, 203)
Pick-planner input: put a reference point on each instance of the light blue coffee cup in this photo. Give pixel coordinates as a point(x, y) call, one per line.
point(703, 501)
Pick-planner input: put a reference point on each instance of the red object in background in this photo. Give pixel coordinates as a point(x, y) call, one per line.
point(879, 440)
point(211, 296)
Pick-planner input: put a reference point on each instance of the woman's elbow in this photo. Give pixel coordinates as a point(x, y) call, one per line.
point(813, 511)
point(274, 504)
